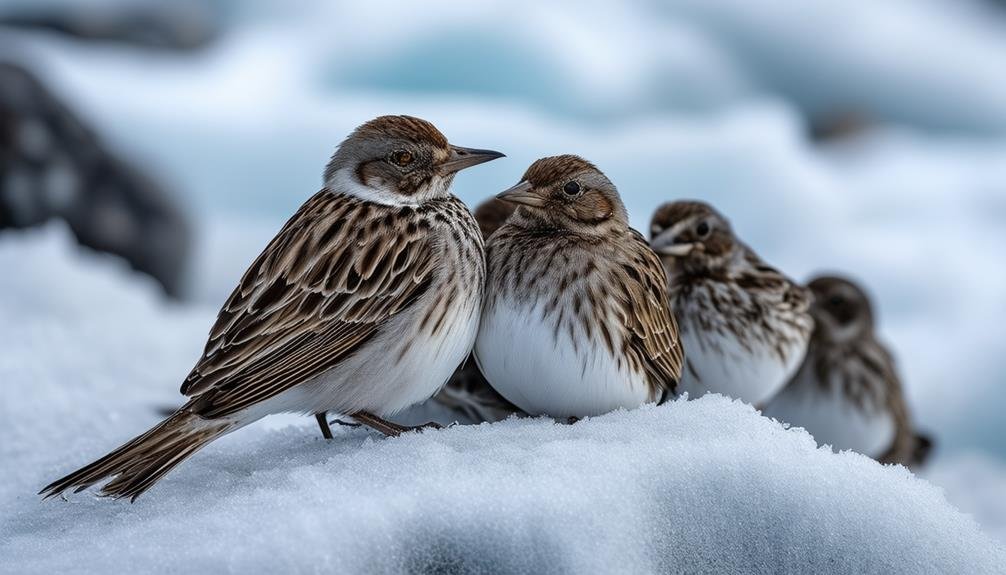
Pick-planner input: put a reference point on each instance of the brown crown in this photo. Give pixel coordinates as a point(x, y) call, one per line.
point(823, 285)
point(674, 212)
point(403, 127)
point(555, 168)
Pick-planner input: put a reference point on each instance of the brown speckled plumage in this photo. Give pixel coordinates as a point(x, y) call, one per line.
point(364, 303)
point(323, 287)
point(583, 280)
point(469, 392)
point(491, 214)
point(600, 285)
point(728, 301)
point(845, 354)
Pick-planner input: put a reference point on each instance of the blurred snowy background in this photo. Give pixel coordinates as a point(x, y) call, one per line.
point(841, 135)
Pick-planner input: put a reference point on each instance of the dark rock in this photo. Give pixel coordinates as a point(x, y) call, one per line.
point(53, 166)
point(160, 25)
point(838, 124)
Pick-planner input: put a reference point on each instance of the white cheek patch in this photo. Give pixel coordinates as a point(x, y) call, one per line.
point(377, 191)
point(680, 227)
point(345, 182)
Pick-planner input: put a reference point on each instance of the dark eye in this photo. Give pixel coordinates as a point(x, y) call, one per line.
point(836, 301)
point(702, 229)
point(571, 188)
point(402, 157)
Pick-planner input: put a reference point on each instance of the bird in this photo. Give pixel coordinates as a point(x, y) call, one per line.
point(847, 392)
point(491, 214)
point(468, 392)
point(363, 304)
point(745, 326)
point(575, 321)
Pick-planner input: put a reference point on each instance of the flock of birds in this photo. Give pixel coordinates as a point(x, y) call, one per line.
point(384, 283)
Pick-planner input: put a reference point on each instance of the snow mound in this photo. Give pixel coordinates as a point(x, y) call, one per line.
point(706, 485)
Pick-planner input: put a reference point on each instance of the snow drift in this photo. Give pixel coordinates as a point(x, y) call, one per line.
point(686, 487)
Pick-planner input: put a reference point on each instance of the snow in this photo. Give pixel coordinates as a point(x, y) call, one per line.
point(690, 486)
point(975, 483)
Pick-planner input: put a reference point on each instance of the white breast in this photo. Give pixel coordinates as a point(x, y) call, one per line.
point(831, 418)
point(720, 364)
point(404, 363)
point(543, 374)
point(391, 372)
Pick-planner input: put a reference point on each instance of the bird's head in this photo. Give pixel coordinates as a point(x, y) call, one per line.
point(569, 193)
point(491, 214)
point(692, 235)
point(399, 160)
point(841, 309)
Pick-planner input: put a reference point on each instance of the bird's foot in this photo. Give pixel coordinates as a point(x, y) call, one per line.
point(430, 425)
point(322, 418)
point(390, 428)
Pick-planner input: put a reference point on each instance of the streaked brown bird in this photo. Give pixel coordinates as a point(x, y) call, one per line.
point(363, 304)
point(745, 326)
point(847, 392)
point(576, 321)
point(492, 214)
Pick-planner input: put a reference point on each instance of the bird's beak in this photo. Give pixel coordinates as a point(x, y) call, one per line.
point(522, 193)
point(674, 250)
point(462, 158)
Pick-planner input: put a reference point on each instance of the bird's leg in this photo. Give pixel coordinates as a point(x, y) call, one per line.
point(322, 418)
point(388, 427)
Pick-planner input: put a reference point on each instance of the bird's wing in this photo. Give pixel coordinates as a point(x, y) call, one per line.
point(322, 288)
point(878, 360)
point(653, 333)
point(773, 284)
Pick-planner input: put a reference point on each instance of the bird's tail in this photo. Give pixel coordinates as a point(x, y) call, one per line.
point(138, 464)
point(922, 448)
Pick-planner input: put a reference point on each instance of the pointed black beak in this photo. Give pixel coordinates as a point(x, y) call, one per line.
point(462, 158)
point(522, 193)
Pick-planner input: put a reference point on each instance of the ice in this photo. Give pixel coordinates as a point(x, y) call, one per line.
point(704, 485)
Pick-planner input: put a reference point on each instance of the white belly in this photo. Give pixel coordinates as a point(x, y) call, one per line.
point(545, 375)
point(389, 374)
point(832, 419)
point(726, 367)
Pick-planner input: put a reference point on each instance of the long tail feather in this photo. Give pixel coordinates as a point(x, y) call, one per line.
point(923, 448)
point(138, 464)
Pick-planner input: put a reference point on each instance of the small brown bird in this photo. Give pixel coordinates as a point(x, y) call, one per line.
point(363, 304)
point(847, 393)
point(745, 326)
point(575, 321)
point(468, 392)
point(492, 214)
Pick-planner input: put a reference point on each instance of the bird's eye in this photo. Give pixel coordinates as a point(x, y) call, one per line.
point(702, 229)
point(402, 157)
point(836, 301)
point(571, 188)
